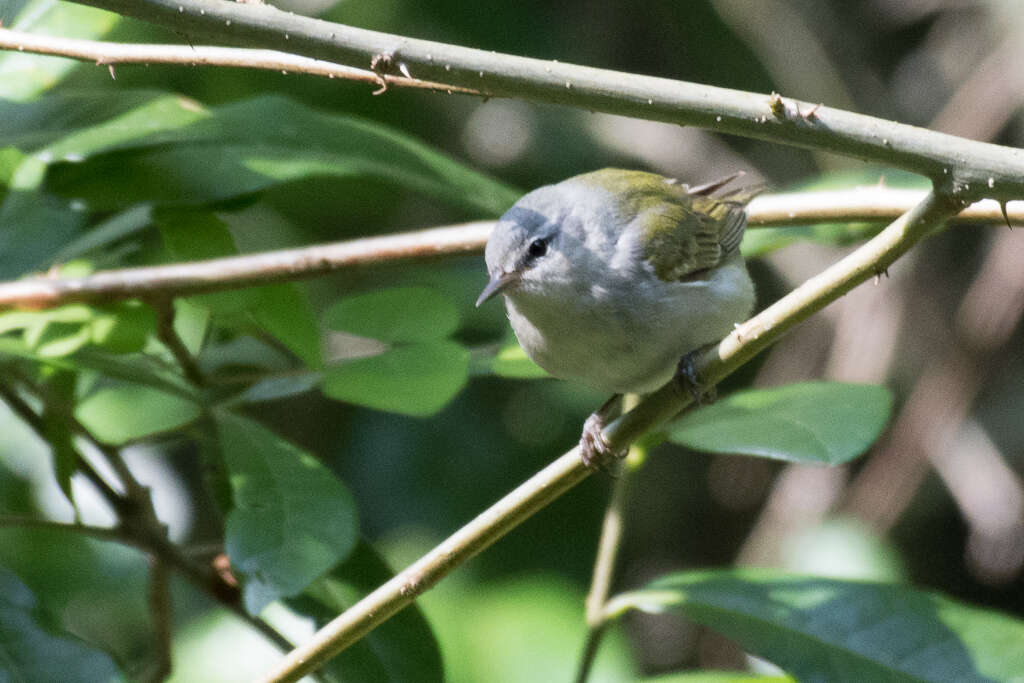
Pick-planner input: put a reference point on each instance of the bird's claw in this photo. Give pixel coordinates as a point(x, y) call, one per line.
point(686, 379)
point(595, 451)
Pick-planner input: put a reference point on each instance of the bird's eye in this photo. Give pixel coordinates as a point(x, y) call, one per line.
point(537, 248)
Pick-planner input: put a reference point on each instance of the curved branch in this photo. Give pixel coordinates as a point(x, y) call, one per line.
point(965, 167)
point(749, 339)
point(196, 277)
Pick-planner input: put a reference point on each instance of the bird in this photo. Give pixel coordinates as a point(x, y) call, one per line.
point(616, 278)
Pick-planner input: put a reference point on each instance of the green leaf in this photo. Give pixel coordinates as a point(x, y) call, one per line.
point(418, 379)
point(192, 234)
point(136, 368)
point(25, 215)
point(10, 159)
point(106, 233)
point(24, 75)
point(832, 630)
point(191, 323)
point(813, 422)
point(292, 519)
point(55, 338)
point(512, 361)
point(127, 412)
point(276, 388)
point(402, 649)
point(221, 155)
point(31, 652)
point(123, 327)
point(285, 312)
point(36, 124)
point(58, 435)
point(399, 314)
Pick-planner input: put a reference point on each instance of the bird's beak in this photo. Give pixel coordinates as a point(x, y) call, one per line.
point(499, 282)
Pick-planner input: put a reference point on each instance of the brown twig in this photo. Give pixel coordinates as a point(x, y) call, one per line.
point(182, 279)
point(109, 54)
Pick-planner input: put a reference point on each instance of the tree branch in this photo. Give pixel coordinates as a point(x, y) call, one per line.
point(183, 279)
point(158, 595)
point(165, 332)
point(105, 53)
point(974, 169)
point(739, 347)
point(612, 529)
point(102, 533)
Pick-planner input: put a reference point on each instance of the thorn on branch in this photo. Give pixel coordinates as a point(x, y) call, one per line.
point(811, 113)
point(110, 68)
point(1006, 216)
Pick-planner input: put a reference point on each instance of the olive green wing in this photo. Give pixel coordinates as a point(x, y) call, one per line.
point(688, 232)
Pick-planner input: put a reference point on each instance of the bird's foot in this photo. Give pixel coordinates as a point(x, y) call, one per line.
point(595, 451)
point(686, 379)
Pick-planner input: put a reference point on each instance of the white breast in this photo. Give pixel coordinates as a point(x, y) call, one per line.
point(629, 338)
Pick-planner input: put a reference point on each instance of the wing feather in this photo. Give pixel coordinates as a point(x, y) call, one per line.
point(689, 232)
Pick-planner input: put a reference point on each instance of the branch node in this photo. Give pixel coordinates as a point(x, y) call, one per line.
point(384, 64)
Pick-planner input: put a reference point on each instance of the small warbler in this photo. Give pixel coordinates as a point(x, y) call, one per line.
point(614, 277)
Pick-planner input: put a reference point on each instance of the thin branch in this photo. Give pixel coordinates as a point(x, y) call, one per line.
point(568, 470)
point(139, 525)
point(182, 279)
point(239, 271)
point(101, 533)
point(971, 169)
point(159, 598)
point(28, 415)
point(612, 527)
point(166, 333)
point(105, 53)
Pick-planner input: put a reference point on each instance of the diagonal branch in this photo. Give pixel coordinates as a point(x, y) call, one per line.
point(975, 169)
point(183, 279)
point(749, 339)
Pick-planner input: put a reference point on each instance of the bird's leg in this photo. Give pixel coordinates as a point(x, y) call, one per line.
point(686, 379)
point(595, 451)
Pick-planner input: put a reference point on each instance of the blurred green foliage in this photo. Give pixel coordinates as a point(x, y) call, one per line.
point(380, 394)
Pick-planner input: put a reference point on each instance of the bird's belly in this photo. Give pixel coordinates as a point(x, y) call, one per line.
point(631, 348)
point(611, 364)
point(612, 351)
